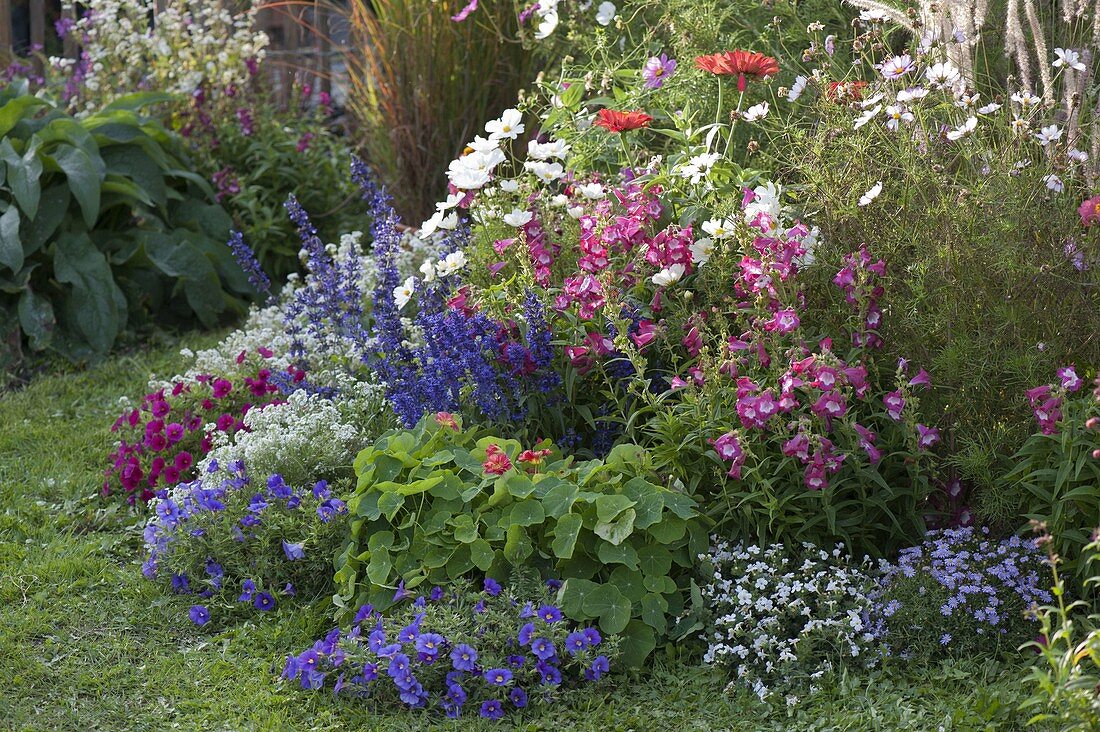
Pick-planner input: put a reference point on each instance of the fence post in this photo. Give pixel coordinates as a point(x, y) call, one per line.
point(38, 31)
point(5, 27)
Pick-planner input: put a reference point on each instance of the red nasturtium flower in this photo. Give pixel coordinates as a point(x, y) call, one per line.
point(446, 419)
point(496, 461)
point(742, 64)
point(614, 121)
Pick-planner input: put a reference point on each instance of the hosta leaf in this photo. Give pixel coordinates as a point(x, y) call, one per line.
point(11, 247)
point(84, 177)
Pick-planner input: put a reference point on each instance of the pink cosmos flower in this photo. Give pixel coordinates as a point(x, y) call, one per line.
point(657, 69)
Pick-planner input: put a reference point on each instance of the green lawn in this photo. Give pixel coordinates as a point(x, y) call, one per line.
point(86, 643)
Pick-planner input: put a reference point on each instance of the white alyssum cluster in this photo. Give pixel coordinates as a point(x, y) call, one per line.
point(192, 43)
point(780, 617)
point(306, 436)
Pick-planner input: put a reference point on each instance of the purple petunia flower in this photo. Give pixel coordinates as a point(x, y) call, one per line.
point(199, 615)
point(264, 601)
point(293, 552)
point(549, 613)
point(592, 636)
point(575, 643)
point(526, 633)
point(492, 586)
point(543, 648)
point(599, 667)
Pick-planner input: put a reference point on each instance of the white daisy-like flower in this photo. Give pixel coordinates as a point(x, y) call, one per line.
point(518, 217)
point(483, 144)
point(964, 129)
point(702, 250)
point(1049, 135)
point(967, 101)
point(509, 185)
point(509, 126)
point(698, 167)
point(942, 75)
point(797, 88)
point(719, 228)
point(546, 172)
point(755, 112)
point(1069, 58)
point(560, 200)
point(989, 108)
point(547, 150)
point(867, 116)
point(1025, 99)
point(669, 275)
point(871, 194)
point(1078, 156)
point(592, 191)
point(452, 200)
point(575, 211)
point(912, 94)
point(404, 292)
point(896, 114)
point(605, 13)
point(450, 264)
point(427, 269)
point(548, 23)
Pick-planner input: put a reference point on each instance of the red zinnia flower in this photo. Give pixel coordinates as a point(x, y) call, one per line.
point(622, 121)
point(743, 64)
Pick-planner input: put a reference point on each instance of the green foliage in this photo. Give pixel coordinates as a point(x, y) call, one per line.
point(425, 511)
point(103, 225)
point(1059, 479)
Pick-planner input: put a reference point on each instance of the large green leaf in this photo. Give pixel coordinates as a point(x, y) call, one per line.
point(139, 100)
point(95, 307)
point(51, 212)
point(618, 530)
point(37, 318)
point(176, 256)
point(610, 606)
point(15, 110)
point(11, 247)
point(23, 174)
point(132, 162)
point(565, 535)
point(85, 175)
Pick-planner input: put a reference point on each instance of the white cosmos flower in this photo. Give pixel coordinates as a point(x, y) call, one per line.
point(546, 172)
point(989, 108)
point(547, 150)
point(453, 199)
point(872, 101)
point(548, 23)
point(1025, 99)
point(964, 129)
point(450, 264)
point(797, 88)
point(755, 112)
point(430, 226)
point(669, 275)
point(912, 93)
point(765, 200)
point(1068, 57)
point(871, 194)
point(404, 292)
point(575, 211)
point(698, 167)
point(606, 13)
point(942, 75)
point(510, 125)
point(1049, 134)
point(702, 251)
point(719, 229)
point(509, 186)
point(1054, 183)
point(483, 145)
point(518, 217)
point(967, 101)
point(896, 114)
point(867, 116)
point(465, 176)
point(559, 200)
point(427, 268)
point(592, 191)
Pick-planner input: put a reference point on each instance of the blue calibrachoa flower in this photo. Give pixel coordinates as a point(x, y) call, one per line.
point(575, 643)
point(498, 676)
point(428, 646)
point(599, 667)
point(492, 709)
point(526, 634)
point(518, 697)
point(492, 586)
point(294, 551)
point(199, 615)
point(543, 648)
point(549, 613)
point(464, 657)
point(248, 587)
point(264, 601)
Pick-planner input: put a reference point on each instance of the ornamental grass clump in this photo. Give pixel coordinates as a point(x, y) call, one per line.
point(779, 618)
point(460, 652)
point(959, 592)
point(233, 540)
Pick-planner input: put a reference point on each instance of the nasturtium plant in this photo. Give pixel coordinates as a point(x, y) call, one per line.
point(102, 223)
point(438, 503)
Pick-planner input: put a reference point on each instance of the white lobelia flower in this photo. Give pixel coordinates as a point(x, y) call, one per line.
point(943, 75)
point(702, 251)
point(546, 172)
point(1054, 183)
point(871, 194)
point(592, 191)
point(797, 88)
point(719, 229)
point(427, 269)
point(547, 150)
point(755, 112)
point(510, 125)
point(963, 130)
point(450, 264)
point(509, 186)
point(1069, 58)
point(404, 292)
point(1049, 135)
point(669, 275)
point(518, 217)
point(605, 13)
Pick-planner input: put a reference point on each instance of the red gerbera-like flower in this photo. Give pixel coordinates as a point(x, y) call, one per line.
point(614, 121)
point(742, 64)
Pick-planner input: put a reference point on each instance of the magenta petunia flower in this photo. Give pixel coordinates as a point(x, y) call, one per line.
point(657, 69)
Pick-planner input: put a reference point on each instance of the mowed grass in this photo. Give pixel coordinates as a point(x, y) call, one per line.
point(86, 643)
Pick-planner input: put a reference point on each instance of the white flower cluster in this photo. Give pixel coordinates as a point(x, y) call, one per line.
point(193, 42)
point(307, 436)
point(778, 618)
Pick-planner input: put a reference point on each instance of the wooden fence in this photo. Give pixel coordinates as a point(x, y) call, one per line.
point(301, 34)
